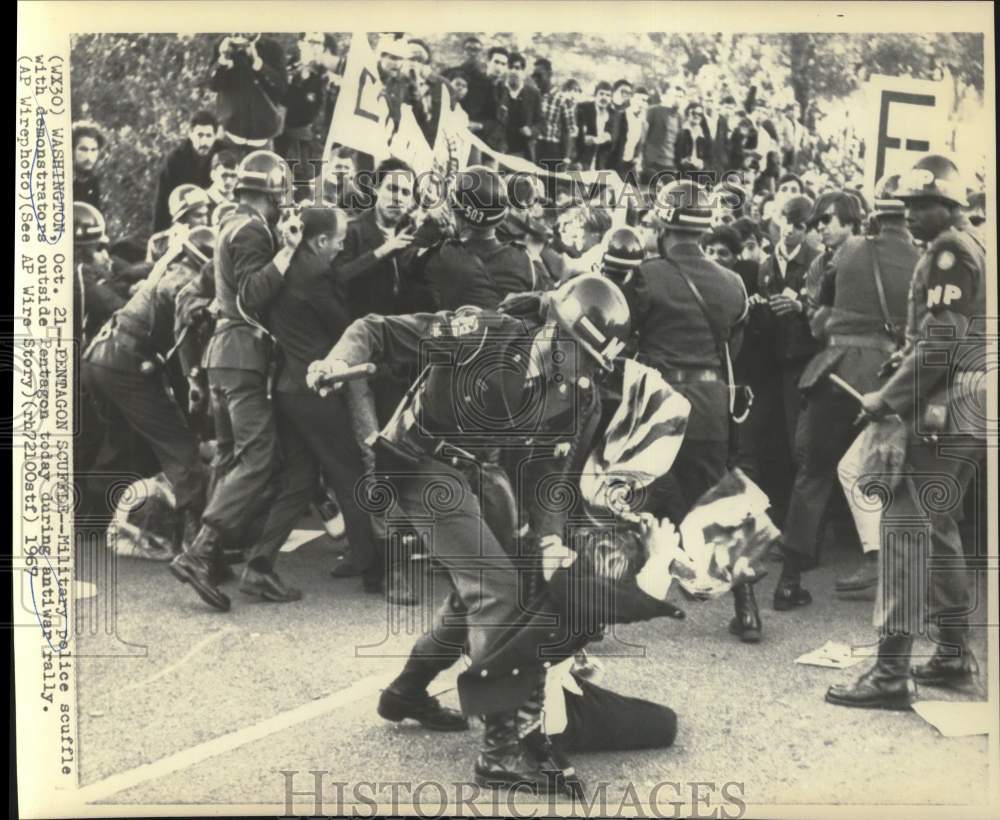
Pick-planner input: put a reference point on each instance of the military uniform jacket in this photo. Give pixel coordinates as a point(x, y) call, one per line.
point(948, 358)
point(673, 333)
point(246, 281)
point(475, 392)
point(143, 330)
point(507, 264)
point(458, 277)
point(853, 325)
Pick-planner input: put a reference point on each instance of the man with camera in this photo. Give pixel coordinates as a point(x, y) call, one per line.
point(249, 76)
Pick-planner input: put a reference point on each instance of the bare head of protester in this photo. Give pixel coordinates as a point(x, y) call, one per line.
point(728, 202)
point(649, 229)
point(88, 142)
point(722, 244)
point(572, 89)
point(323, 231)
point(976, 212)
point(188, 206)
point(472, 47)
point(395, 192)
point(497, 63)
point(752, 248)
point(517, 70)
point(202, 131)
point(838, 215)
point(339, 172)
point(542, 74)
point(459, 82)
point(602, 94)
point(223, 175)
point(621, 94)
point(935, 196)
point(264, 184)
point(791, 221)
point(788, 185)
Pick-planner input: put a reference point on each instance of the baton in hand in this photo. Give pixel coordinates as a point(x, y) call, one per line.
point(353, 373)
point(845, 387)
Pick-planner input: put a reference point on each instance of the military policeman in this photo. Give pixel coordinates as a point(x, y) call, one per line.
point(520, 378)
point(250, 264)
point(94, 298)
point(689, 330)
point(939, 390)
point(870, 281)
point(189, 206)
point(125, 368)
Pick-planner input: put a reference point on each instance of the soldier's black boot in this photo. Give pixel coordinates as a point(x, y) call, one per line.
point(952, 663)
point(746, 623)
point(407, 697)
point(505, 763)
point(539, 746)
point(887, 685)
point(194, 567)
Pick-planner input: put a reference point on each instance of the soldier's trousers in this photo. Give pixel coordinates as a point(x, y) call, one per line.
point(826, 431)
point(245, 445)
point(314, 435)
point(146, 406)
point(922, 566)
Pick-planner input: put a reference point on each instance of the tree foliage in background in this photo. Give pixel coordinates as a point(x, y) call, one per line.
point(141, 88)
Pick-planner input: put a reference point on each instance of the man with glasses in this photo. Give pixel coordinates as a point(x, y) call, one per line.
point(869, 279)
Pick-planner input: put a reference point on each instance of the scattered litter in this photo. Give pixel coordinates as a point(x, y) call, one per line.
point(956, 718)
point(300, 537)
point(835, 655)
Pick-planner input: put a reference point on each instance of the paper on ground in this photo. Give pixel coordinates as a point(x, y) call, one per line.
point(300, 537)
point(956, 718)
point(835, 655)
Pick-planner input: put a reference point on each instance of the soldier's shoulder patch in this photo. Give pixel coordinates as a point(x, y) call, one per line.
point(945, 260)
point(465, 322)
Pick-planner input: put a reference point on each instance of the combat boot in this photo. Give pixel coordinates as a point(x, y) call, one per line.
point(505, 762)
point(553, 763)
point(426, 710)
point(195, 567)
point(887, 685)
point(746, 623)
point(952, 663)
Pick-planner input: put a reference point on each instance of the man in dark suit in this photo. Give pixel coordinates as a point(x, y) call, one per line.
point(595, 123)
point(662, 125)
point(521, 104)
point(692, 151)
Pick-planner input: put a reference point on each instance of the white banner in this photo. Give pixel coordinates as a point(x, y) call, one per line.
point(361, 116)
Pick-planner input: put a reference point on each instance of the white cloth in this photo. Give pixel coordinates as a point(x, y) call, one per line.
point(866, 510)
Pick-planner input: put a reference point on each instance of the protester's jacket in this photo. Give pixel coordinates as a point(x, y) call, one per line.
point(246, 281)
point(393, 284)
point(94, 301)
point(305, 318)
point(250, 103)
point(87, 188)
point(517, 112)
point(788, 338)
point(601, 156)
point(507, 265)
point(479, 102)
point(663, 125)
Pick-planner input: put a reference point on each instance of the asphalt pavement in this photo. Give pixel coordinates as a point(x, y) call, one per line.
point(178, 703)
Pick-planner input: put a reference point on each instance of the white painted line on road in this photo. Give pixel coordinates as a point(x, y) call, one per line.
point(194, 650)
point(186, 758)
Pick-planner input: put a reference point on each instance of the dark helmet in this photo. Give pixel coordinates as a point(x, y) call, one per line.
point(479, 196)
point(222, 211)
point(184, 199)
point(266, 172)
point(88, 225)
point(623, 254)
point(684, 205)
point(200, 244)
point(933, 177)
point(887, 201)
point(593, 311)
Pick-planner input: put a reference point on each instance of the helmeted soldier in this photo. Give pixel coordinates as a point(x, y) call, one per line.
point(125, 368)
point(250, 264)
point(476, 269)
point(690, 329)
point(520, 378)
point(94, 298)
point(869, 281)
point(189, 208)
point(939, 390)
point(624, 253)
